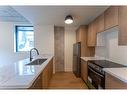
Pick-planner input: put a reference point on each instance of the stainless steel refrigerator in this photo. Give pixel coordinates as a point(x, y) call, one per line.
point(76, 59)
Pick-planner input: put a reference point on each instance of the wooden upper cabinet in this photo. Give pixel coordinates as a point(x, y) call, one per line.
point(100, 23)
point(81, 36)
point(91, 40)
point(122, 39)
point(111, 17)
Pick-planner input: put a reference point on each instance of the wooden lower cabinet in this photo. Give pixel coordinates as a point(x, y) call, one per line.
point(43, 79)
point(84, 71)
point(37, 83)
point(112, 82)
point(47, 74)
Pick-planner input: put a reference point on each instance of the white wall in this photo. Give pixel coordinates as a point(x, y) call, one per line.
point(111, 50)
point(7, 54)
point(44, 41)
point(70, 39)
point(44, 38)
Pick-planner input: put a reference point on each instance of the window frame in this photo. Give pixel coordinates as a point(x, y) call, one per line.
point(16, 36)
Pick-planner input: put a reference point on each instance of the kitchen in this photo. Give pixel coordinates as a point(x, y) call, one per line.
point(89, 53)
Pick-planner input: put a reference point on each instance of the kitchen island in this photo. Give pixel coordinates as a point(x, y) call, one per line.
point(19, 75)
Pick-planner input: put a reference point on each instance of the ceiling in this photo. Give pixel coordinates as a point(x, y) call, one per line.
point(8, 14)
point(56, 14)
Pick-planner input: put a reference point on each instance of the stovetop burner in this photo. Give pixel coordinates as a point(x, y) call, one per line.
point(106, 64)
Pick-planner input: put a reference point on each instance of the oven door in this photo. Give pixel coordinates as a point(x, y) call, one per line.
point(95, 79)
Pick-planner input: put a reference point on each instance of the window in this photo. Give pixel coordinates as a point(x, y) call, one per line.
point(24, 38)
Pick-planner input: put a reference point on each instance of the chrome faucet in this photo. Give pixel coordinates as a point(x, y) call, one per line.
point(31, 53)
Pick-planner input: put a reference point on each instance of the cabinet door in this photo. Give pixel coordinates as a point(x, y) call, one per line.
point(47, 74)
point(84, 70)
point(83, 32)
point(81, 36)
point(111, 17)
point(45, 77)
point(100, 23)
point(112, 82)
point(50, 69)
point(91, 41)
point(122, 40)
point(37, 83)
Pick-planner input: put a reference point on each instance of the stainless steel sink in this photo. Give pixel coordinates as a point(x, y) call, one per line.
point(37, 62)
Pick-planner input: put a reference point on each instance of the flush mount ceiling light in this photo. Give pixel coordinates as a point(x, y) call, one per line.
point(68, 19)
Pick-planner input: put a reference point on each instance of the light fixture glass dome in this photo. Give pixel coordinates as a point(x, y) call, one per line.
point(68, 19)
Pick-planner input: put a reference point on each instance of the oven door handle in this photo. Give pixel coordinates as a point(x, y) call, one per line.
point(95, 72)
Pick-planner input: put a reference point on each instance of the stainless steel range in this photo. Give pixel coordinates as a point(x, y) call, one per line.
point(96, 75)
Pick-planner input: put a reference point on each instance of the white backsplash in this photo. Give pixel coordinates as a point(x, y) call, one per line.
point(111, 50)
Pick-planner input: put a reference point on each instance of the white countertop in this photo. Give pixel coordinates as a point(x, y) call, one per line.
point(120, 73)
point(92, 58)
point(19, 75)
